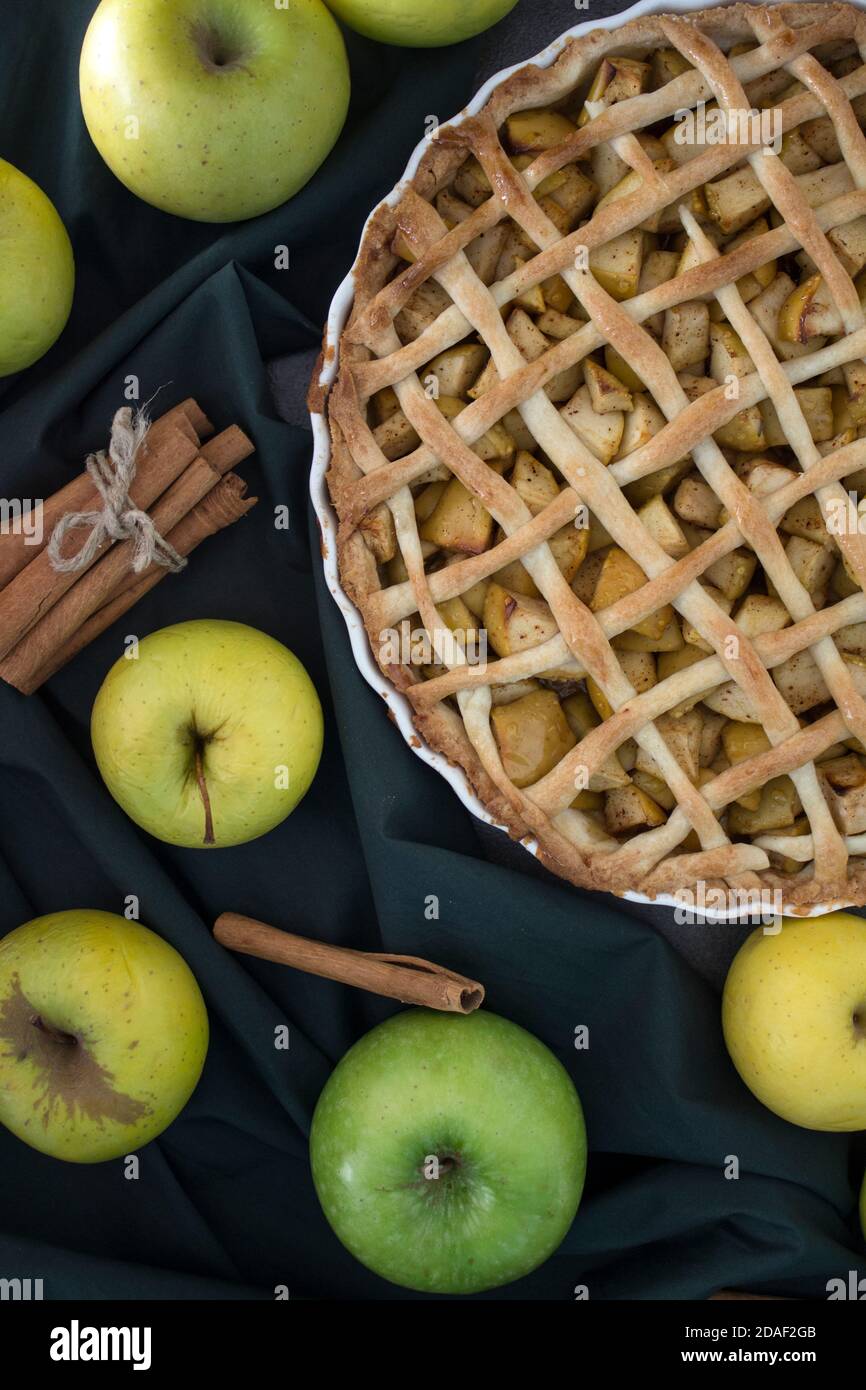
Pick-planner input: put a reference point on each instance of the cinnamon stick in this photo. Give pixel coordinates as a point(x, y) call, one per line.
point(227, 449)
point(188, 417)
point(96, 584)
point(220, 508)
point(406, 978)
point(79, 495)
point(38, 587)
point(222, 452)
point(196, 416)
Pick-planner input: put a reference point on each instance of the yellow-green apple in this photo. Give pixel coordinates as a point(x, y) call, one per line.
point(449, 1152)
point(794, 1019)
point(37, 272)
point(420, 23)
point(103, 1035)
point(208, 733)
point(216, 110)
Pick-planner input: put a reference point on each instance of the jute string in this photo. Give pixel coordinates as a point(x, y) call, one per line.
point(113, 473)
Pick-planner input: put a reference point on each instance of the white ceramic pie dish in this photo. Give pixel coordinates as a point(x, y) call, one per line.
point(337, 317)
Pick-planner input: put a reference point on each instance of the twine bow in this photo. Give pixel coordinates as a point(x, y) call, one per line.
point(119, 520)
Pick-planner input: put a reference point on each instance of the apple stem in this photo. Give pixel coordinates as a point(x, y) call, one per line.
point(448, 1162)
point(55, 1034)
point(202, 786)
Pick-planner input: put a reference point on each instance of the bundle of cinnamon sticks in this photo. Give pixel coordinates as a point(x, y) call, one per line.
point(186, 486)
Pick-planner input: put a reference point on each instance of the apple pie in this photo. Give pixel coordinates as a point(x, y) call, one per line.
point(598, 450)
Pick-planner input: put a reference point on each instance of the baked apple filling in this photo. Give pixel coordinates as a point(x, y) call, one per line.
point(623, 416)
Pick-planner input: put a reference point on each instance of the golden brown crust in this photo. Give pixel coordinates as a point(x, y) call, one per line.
point(372, 356)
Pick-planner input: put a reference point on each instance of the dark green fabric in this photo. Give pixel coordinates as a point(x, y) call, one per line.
point(224, 1206)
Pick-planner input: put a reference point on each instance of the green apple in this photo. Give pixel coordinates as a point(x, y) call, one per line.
point(216, 110)
point(103, 1035)
point(449, 1152)
point(37, 272)
point(420, 23)
point(208, 733)
point(794, 1019)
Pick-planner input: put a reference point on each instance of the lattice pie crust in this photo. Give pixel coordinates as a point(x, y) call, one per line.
point(602, 398)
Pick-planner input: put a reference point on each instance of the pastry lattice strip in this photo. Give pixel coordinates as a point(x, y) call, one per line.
point(575, 621)
point(633, 114)
point(640, 351)
point(530, 223)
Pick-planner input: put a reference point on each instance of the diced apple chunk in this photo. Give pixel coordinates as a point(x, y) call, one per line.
point(633, 182)
point(616, 264)
point(559, 326)
point(515, 622)
point(849, 243)
point(618, 576)
point(760, 613)
point(741, 743)
point(606, 392)
point(422, 310)
point(800, 682)
point(816, 403)
point(695, 501)
point(396, 436)
point(664, 528)
point(736, 200)
point(472, 184)
point(459, 521)
point(667, 63)
point(533, 482)
point(619, 368)
point(809, 312)
point(528, 339)
point(825, 184)
point(728, 356)
point(641, 423)
point(778, 806)
point(744, 431)
point(532, 131)
point(483, 253)
point(384, 404)
point(532, 735)
point(732, 574)
point(573, 191)
point(765, 309)
point(686, 334)
point(616, 79)
point(600, 433)
point(630, 808)
point(806, 519)
point(455, 369)
point(849, 810)
point(568, 547)
point(812, 565)
point(670, 640)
